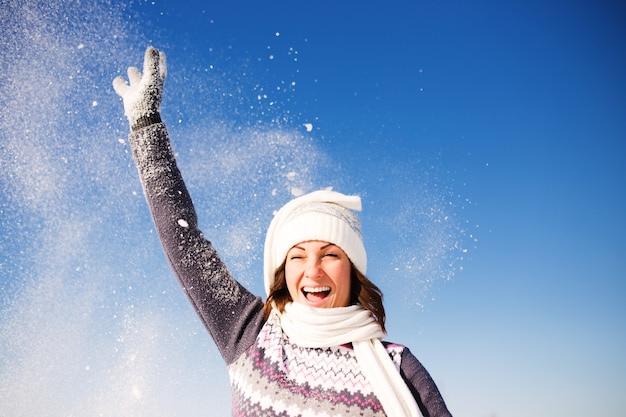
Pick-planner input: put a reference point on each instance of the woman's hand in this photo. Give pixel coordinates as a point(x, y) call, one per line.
point(142, 97)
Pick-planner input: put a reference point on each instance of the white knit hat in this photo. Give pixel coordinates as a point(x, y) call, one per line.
point(321, 215)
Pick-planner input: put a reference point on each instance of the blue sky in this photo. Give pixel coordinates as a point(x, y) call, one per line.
point(488, 141)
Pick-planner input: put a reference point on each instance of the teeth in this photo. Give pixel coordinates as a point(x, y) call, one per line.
point(316, 289)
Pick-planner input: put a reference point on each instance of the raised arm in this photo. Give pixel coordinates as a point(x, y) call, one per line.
point(231, 313)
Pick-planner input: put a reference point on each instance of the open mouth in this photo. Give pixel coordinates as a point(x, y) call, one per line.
point(315, 293)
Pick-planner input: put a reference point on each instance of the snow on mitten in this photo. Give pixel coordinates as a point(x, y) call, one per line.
point(142, 97)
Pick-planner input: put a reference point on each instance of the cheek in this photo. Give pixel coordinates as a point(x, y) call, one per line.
point(291, 281)
point(343, 283)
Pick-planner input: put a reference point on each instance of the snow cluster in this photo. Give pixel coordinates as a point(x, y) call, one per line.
point(91, 319)
point(87, 321)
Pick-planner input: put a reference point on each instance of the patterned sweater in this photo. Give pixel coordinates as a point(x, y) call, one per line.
point(269, 375)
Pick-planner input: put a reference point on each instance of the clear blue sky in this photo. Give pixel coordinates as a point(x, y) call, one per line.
point(488, 141)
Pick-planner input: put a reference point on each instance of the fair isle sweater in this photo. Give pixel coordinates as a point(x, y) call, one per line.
point(270, 376)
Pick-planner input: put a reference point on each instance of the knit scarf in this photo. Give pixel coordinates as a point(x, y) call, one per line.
point(322, 327)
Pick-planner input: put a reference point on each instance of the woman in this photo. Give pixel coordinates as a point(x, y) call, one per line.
point(314, 347)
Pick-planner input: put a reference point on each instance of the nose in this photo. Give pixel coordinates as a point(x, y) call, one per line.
point(313, 268)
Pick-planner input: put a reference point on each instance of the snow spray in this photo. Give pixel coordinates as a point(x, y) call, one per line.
point(92, 321)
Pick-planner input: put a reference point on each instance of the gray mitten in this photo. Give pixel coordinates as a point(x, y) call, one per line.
point(142, 97)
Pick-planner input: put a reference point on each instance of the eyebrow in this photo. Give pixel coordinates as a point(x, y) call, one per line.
point(321, 248)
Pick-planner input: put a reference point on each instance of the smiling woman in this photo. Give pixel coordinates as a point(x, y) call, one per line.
point(322, 316)
point(361, 290)
point(318, 274)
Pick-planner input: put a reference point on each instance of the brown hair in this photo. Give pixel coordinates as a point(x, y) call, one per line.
point(362, 291)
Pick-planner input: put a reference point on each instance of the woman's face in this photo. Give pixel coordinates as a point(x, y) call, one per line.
point(318, 274)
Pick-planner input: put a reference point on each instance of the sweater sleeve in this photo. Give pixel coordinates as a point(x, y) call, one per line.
point(422, 386)
point(232, 315)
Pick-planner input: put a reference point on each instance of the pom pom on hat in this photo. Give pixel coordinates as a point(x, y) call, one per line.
point(321, 215)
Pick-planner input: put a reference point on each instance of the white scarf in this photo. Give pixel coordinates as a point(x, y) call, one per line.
point(323, 327)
